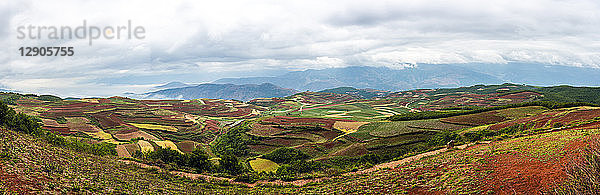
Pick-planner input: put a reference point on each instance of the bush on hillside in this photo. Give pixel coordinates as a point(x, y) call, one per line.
point(286, 155)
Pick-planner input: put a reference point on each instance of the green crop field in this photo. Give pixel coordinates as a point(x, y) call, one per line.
point(390, 129)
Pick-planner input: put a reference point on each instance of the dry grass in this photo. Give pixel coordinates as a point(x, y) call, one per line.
point(168, 144)
point(154, 127)
point(584, 173)
point(348, 127)
point(145, 146)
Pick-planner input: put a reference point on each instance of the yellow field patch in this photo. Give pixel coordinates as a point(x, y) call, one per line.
point(262, 165)
point(348, 127)
point(168, 144)
point(91, 100)
point(474, 129)
point(154, 127)
point(163, 112)
point(100, 135)
point(145, 146)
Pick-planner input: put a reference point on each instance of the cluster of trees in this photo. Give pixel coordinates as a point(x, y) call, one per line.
point(286, 155)
point(197, 159)
point(235, 141)
point(565, 93)
point(444, 114)
point(442, 138)
point(30, 125)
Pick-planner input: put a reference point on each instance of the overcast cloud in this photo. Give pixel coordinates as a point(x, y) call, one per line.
point(196, 41)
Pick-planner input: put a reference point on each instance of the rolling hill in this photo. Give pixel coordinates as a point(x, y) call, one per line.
point(360, 93)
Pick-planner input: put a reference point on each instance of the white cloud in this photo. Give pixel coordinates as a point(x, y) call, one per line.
point(229, 37)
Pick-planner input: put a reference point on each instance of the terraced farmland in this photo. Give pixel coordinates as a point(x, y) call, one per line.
point(335, 135)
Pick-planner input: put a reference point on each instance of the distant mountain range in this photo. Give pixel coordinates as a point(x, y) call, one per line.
point(368, 82)
point(383, 78)
point(172, 85)
point(222, 91)
point(428, 76)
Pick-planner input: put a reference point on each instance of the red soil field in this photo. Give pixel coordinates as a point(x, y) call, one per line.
point(516, 173)
point(135, 134)
point(105, 121)
point(211, 126)
point(578, 115)
point(307, 122)
point(483, 118)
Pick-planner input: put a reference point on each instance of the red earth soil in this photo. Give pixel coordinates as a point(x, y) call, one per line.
point(518, 173)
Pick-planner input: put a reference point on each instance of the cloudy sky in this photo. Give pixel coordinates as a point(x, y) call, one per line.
point(196, 42)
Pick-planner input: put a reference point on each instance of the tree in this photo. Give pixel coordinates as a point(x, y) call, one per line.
point(230, 164)
point(286, 155)
point(199, 160)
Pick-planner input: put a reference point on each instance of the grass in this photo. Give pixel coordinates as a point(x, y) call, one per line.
point(263, 165)
point(100, 135)
point(154, 127)
point(389, 129)
point(353, 111)
point(435, 124)
point(515, 113)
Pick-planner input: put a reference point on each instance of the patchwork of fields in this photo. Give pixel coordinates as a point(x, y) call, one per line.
point(336, 133)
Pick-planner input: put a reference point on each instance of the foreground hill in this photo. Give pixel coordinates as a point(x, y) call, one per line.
point(222, 91)
point(31, 165)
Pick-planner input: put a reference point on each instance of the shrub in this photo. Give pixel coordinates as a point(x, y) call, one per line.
point(230, 164)
point(197, 159)
point(557, 125)
point(289, 171)
point(235, 140)
point(442, 138)
point(286, 155)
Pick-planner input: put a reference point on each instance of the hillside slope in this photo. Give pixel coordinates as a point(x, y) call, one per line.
point(29, 165)
point(525, 165)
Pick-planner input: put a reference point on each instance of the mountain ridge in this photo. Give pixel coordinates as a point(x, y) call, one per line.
point(222, 91)
point(427, 76)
